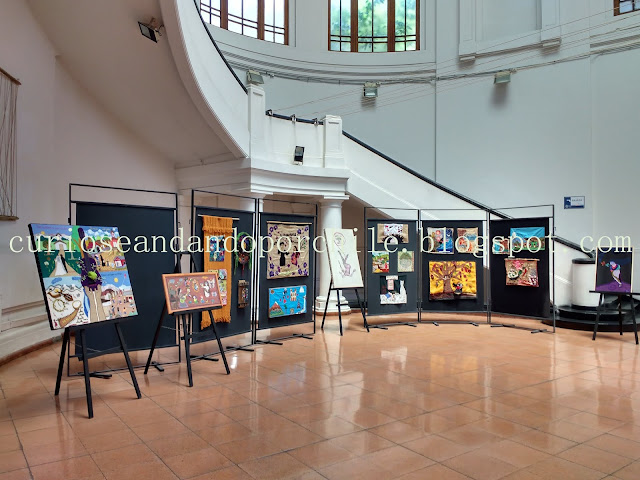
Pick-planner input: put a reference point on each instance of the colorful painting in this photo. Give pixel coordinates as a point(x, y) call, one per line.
point(440, 240)
point(614, 271)
point(191, 291)
point(222, 284)
point(244, 251)
point(243, 293)
point(216, 248)
point(467, 241)
point(393, 290)
point(394, 232)
point(343, 258)
point(452, 280)
point(522, 272)
point(84, 274)
point(405, 261)
point(289, 253)
point(529, 239)
point(500, 245)
point(286, 301)
point(380, 262)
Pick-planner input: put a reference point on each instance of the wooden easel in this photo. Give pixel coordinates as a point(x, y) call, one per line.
point(620, 296)
point(337, 290)
point(186, 319)
point(81, 329)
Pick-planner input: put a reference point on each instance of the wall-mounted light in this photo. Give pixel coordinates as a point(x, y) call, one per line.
point(297, 155)
point(151, 30)
point(370, 90)
point(316, 122)
point(254, 78)
point(293, 118)
point(502, 77)
point(270, 112)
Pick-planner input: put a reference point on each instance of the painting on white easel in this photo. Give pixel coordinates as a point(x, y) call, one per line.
point(343, 258)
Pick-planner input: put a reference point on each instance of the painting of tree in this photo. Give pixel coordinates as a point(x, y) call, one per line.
point(452, 280)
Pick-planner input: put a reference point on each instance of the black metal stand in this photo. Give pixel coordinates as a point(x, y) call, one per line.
point(85, 362)
point(620, 296)
point(337, 290)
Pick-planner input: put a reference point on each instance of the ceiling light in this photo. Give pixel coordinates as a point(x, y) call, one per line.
point(151, 30)
point(370, 90)
point(254, 78)
point(502, 77)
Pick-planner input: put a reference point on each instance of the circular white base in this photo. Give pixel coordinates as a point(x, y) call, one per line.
point(332, 309)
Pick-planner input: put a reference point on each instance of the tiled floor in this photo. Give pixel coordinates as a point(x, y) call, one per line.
point(447, 402)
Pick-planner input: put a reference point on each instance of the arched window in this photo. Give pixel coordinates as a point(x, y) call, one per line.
point(263, 19)
point(374, 25)
point(625, 6)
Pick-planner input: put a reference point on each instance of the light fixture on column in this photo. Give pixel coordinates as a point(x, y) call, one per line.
point(370, 90)
point(316, 122)
point(297, 155)
point(254, 78)
point(151, 30)
point(502, 77)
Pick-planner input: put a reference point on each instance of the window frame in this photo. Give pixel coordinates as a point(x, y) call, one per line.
point(224, 20)
point(391, 30)
point(616, 7)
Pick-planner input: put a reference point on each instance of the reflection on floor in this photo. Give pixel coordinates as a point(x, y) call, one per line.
point(447, 402)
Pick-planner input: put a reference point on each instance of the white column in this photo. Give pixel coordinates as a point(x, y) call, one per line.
point(257, 123)
point(330, 217)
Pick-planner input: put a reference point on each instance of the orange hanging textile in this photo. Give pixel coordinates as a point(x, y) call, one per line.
point(215, 231)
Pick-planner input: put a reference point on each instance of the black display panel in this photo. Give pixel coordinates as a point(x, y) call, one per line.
point(145, 271)
point(240, 317)
point(376, 282)
point(266, 284)
point(515, 299)
point(477, 304)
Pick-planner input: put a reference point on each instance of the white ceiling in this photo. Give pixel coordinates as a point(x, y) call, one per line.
point(133, 78)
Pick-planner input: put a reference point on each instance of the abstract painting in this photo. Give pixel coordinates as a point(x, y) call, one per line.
point(393, 290)
point(394, 232)
point(452, 280)
point(440, 240)
point(216, 248)
point(285, 301)
point(467, 241)
point(343, 258)
point(614, 271)
point(522, 272)
point(191, 291)
point(289, 254)
point(380, 262)
point(405, 261)
point(83, 274)
point(530, 239)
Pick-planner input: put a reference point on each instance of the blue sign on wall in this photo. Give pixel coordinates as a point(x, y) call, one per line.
point(573, 202)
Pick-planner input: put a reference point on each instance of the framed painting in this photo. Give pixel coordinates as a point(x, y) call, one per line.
point(522, 272)
point(289, 253)
point(440, 240)
point(393, 233)
point(343, 258)
point(286, 301)
point(186, 292)
point(452, 280)
point(380, 262)
point(614, 271)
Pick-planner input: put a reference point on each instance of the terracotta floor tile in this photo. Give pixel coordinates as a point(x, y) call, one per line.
point(515, 453)
point(437, 471)
point(229, 473)
point(7, 428)
point(142, 471)
point(53, 452)
point(110, 441)
point(630, 472)
point(398, 460)
point(276, 467)
point(321, 454)
point(480, 466)
point(332, 427)
point(470, 436)
point(398, 432)
point(12, 461)
point(361, 443)
point(177, 445)
point(248, 448)
point(619, 446)
point(154, 431)
point(22, 474)
point(437, 448)
point(120, 458)
point(197, 462)
point(553, 468)
point(595, 458)
point(355, 469)
point(69, 469)
point(226, 433)
point(570, 431)
point(544, 441)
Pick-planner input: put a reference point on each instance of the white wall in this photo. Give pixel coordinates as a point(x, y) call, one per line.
point(64, 136)
point(533, 141)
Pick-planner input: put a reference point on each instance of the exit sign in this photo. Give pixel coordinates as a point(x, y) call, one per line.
point(573, 202)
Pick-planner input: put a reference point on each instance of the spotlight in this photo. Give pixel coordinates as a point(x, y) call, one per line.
point(316, 122)
point(370, 90)
point(254, 78)
point(293, 118)
point(297, 155)
point(502, 77)
point(151, 30)
point(270, 112)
